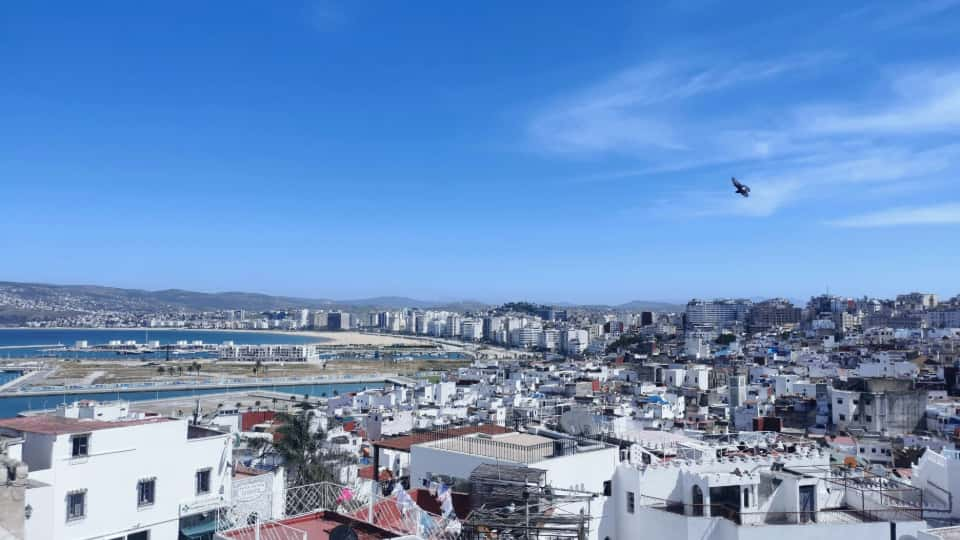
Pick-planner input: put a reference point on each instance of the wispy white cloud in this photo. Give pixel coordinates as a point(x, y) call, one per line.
point(920, 101)
point(792, 182)
point(673, 117)
point(637, 110)
point(912, 12)
point(938, 214)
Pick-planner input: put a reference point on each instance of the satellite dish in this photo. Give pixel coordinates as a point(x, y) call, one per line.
point(343, 532)
point(579, 422)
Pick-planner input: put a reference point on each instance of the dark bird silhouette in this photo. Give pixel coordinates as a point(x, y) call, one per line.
point(741, 189)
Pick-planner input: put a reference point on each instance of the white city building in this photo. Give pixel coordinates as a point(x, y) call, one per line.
point(98, 472)
point(270, 353)
point(472, 330)
point(788, 496)
point(574, 341)
point(570, 465)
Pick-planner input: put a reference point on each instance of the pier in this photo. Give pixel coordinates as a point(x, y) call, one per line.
point(52, 346)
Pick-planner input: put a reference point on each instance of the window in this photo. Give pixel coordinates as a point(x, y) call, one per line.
point(843, 417)
point(869, 418)
point(146, 491)
point(746, 497)
point(142, 535)
point(76, 504)
point(607, 488)
point(839, 401)
point(79, 445)
point(203, 481)
point(631, 502)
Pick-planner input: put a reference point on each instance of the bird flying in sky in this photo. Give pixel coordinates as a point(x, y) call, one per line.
point(741, 188)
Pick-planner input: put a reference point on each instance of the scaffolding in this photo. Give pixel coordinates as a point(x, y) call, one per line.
point(513, 501)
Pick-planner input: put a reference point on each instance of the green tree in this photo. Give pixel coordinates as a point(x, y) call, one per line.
point(725, 339)
point(302, 450)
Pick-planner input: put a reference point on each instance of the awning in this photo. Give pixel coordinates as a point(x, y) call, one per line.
point(199, 529)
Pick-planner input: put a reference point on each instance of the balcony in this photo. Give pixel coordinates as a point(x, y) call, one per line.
point(829, 515)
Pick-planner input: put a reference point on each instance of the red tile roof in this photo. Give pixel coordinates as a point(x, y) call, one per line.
point(367, 473)
point(58, 425)
point(251, 418)
point(404, 443)
point(316, 527)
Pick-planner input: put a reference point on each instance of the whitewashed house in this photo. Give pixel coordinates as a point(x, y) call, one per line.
point(110, 476)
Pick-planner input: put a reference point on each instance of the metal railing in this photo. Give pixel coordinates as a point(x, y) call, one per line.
point(267, 530)
point(827, 515)
point(357, 502)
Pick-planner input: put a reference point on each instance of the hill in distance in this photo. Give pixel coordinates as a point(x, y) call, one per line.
point(67, 298)
point(41, 297)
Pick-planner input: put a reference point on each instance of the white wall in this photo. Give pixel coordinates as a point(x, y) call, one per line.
point(118, 459)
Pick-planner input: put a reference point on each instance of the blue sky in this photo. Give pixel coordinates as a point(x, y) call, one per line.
point(554, 151)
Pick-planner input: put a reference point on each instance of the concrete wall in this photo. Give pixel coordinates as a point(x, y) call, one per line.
point(40, 500)
point(936, 475)
point(653, 523)
point(12, 499)
point(425, 461)
point(37, 450)
point(586, 471)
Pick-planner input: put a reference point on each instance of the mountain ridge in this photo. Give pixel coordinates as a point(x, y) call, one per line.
point(35, 296)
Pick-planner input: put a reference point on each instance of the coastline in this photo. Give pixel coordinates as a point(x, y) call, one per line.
point(346, 338)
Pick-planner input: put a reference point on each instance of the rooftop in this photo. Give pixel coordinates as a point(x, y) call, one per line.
point(945, 533)
point(516, 447)
point(316, 526)
point(59, 425)
point(404, 442)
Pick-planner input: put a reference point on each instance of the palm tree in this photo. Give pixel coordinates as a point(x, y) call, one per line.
point(302, 450)
point(196, 367)
point(257, 367)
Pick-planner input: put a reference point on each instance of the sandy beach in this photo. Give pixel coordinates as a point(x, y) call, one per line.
point(346, 338)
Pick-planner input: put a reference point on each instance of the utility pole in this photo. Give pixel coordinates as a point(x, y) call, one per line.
point(526, 513)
